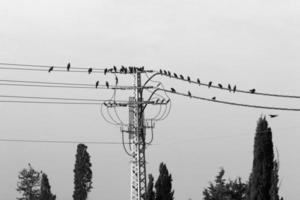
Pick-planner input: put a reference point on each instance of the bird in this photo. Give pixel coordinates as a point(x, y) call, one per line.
point(68, 66)
point(234, 88)
point(173, 90)
point(190, 94)
point(169, 73)
point(90, 70)
point(189, 79)
point(220, 85)
point(157, 100)
point(117, 80)
point(272, 116)
point(214, 98)
point(160, 71)
point(252, 91)
point(50, 69)
point(107, 84)
point(97, 83)
point(165, 72)
point(181, 77)
point(209, 84)
point(198, 81)
point(167, 101)
point(229, 87)
point(115, 68)
point(175, 75)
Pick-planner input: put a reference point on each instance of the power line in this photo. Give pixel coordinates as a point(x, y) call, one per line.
point(232, 103)
point(49, 102)
point(231, 90)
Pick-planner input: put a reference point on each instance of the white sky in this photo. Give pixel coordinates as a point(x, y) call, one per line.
point(254, 44)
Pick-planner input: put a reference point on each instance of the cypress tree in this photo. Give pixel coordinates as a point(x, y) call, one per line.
point(82, 173)
point(163, 185)
point(46, 189)
point(150, 195)
point(260, 182)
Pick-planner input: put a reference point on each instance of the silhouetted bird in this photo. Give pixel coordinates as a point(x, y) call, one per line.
point(190, 94)
point(234, 88)
point(115, 68)
point(165, 72)
point(209, 84)
point(160, 71)
point(90, 70)
point(68, 66)
point(162, 101)
point(157, 100)
point(169, 73)
point(167, 101)
point(117, 80)
point(97, 83)
point(229, 87)
point(181, 77)
point(107, 84)
point(272, 116)
point(252, 91)
point(220, 86)
point(198, 81)
point(173, 90)
point(50, 69)
point(189, 79)
point(214, 98)
point(105, 71)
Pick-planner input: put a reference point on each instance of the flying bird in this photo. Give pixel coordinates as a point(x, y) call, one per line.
point(107, 84)
point(90, 70)
point(252, 91)
point(220, 85)
point(97, 83)
point(68, 66)
point(173, 90)
point(209, 84)
point(229, 87)
point(198, 81)
point(190, 94)
point(272, 116)
point(234, 88)
point(214, 98)
point(50, 69)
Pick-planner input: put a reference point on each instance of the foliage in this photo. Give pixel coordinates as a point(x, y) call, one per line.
point(29, 184)
point(150, 194)
point(222, 190)
point(82, 173)
point(46, 189)
point(163, 185)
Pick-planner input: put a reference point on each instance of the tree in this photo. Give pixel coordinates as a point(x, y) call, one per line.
point(260, 182)
point(82, 173)
point(150, 195)
point(222, 190)
point(29, 184)
point(46, 189)
point(163, 185)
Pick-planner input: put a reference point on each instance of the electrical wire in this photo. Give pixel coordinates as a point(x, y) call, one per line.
point(233, 103)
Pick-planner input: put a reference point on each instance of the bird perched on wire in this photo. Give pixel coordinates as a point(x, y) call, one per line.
point(220, 85)
point(115, 68)
point(50, 69)
point(160, 71)
point(209, 84)
point(169, 73)
point(190, 94)
point(173, 90)
point(181, 77)
point(107, 84)
point(105, 71)
point(90, 70)
point(189, 79)
point(198, 81)
point(175, 75)
point(234, 89)
point(273, 116)
point(252, 91)
point(229, 87)
point(214, 98)
point(68, 66)
point(165, 72)
point(157, 100)
point(117, 80)
point(97, 84)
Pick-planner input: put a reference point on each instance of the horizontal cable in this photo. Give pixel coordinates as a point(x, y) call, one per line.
point(233, 103)
point(49, 102)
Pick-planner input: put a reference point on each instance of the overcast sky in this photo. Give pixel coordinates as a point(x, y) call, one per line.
point(253, 44)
